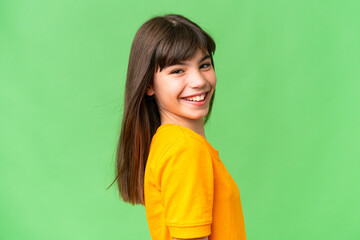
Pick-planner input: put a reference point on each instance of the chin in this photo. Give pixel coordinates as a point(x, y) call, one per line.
point(200, 116)
point(194, 115)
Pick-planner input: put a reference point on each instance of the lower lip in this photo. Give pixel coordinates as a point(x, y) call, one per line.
point(197, 103)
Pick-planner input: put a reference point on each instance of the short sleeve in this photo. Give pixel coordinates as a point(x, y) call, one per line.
point(187, 189)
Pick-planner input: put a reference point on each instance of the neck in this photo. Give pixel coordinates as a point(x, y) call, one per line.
point(195, 125)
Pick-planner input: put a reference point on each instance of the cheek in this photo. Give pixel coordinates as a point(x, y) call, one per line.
point(215, 80)
point(212, 78)
point(166, 89)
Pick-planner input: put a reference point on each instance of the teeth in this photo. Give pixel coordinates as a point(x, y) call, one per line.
point(196, 98)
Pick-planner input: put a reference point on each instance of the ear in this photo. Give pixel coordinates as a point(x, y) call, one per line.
point(150, 90)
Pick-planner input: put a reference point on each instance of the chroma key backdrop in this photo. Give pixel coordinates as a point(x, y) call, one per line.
point(286, 116)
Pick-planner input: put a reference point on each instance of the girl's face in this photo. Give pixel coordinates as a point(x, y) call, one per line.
point(183, 91)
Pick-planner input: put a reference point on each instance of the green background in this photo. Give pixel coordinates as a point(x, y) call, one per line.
point(285, 119)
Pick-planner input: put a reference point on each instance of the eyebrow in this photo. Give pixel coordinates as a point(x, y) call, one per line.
point(185, 64)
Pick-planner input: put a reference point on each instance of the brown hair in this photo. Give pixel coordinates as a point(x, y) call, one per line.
point(159, 42)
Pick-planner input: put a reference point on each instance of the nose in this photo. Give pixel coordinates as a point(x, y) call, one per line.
point(197, 79)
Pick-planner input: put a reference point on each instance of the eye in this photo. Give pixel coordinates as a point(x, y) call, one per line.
point(205, 65)
point(177, 71)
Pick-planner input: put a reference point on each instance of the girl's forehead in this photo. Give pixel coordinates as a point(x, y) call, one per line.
point(198, 54)
point(197, 58)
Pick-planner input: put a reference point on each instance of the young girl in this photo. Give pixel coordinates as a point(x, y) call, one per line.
point(164, 160)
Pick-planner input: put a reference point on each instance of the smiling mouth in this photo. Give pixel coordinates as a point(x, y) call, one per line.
point(197, 98)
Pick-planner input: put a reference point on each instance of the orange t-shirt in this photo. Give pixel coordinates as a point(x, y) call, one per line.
point(188, 191)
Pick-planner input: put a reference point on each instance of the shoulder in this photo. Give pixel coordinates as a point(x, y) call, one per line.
point(177, 155)
point(171, 138)
point(173, 144)
point(184, 147)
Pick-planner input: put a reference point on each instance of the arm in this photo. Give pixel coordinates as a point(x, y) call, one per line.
point(203, 238)
point(187, 189)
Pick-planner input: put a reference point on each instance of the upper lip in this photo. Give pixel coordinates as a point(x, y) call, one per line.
point(197, 94)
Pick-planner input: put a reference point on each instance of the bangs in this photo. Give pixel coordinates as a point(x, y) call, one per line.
point(180, 43)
